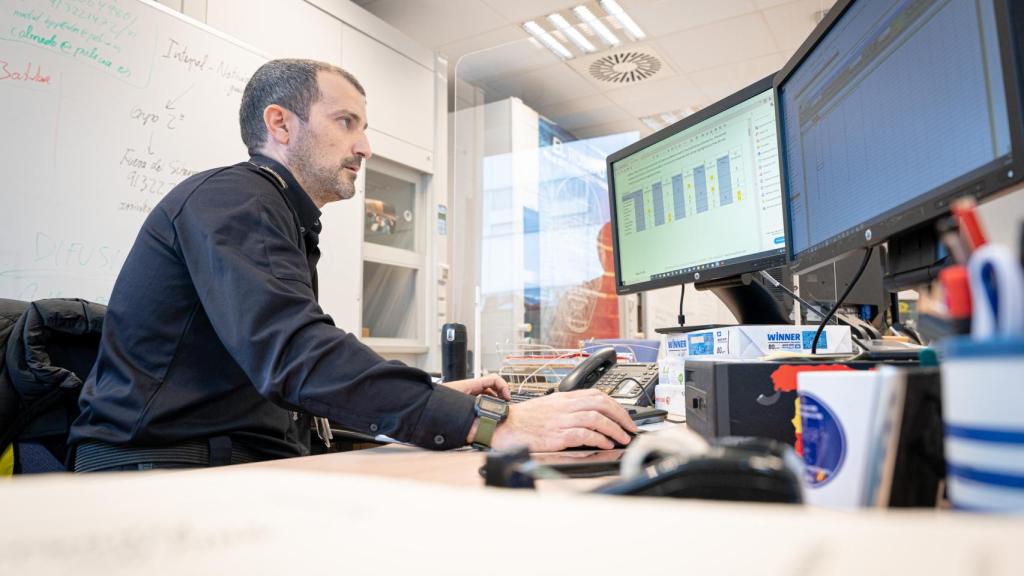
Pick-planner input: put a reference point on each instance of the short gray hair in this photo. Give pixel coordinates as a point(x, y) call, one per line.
point(290, 83)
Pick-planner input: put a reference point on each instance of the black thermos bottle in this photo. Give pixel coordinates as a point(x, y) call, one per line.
point(453, 352)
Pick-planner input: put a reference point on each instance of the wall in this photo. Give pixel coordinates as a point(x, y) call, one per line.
point(1003, 218)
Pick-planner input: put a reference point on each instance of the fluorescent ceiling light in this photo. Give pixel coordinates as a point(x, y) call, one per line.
point(578, 39)
point(663, 119)
point(548, 40)
point(588, 18)
point(615, 11)
point(651, 123)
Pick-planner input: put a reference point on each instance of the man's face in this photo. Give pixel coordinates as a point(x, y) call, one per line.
point(325, 154)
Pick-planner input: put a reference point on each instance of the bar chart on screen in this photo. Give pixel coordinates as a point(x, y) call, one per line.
point(713, 183)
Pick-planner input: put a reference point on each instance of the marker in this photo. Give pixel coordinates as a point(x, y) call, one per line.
point(956, 285)
point(963, 209)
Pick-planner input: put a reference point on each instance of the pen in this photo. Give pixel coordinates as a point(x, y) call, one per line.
point(997, 293)
point(963, 209)
point(956, 285)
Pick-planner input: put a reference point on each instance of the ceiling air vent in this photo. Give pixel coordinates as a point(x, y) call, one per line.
point(627, 67)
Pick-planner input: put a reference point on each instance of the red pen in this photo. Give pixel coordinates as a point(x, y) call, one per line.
point(957, 287)
point(963, 209)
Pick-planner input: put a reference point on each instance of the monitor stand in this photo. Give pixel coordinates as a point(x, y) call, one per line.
point(748, 300)
point(913, 259)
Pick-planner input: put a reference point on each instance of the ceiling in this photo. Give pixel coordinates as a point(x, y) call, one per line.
point(707, 50)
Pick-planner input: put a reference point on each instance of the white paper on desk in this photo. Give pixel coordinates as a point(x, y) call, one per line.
point(255, 522)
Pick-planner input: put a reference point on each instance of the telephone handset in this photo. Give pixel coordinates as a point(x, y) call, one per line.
point(629, 383)
point(589, 371)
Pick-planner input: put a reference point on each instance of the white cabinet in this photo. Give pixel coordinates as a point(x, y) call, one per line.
point(400, 100)
point(400, 89)
point(279, 28)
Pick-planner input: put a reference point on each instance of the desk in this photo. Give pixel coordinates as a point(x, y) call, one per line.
point(452, 468)
point(314, 514)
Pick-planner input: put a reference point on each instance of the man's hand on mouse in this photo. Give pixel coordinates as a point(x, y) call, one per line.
point(565, 420)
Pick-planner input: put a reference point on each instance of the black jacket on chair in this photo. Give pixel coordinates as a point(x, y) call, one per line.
point(10, 402)
point(49, 351)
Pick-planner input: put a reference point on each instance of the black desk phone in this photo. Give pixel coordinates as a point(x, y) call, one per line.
point(630, 383)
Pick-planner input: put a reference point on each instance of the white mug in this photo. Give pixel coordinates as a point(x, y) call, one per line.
point(983, 415)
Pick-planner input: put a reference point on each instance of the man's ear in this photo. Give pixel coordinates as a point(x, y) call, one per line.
point(276, 119)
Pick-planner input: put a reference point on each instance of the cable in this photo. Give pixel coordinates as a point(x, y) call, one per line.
point(646, 389)
point(839, 302)
point(894, 308)
point(775, 283)
point(682, 317)
point(817, 308)
point(896, 325)
point(545, 366)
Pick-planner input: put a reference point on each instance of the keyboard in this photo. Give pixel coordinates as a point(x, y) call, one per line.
point(524, 396)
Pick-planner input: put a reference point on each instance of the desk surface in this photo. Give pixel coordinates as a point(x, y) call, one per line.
point(457, 467)
point(452, 468)
point(312, 514)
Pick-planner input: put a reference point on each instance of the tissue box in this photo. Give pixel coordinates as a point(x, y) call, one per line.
point(670, 393)
point(670, 370)
point(757, 341)
point(672, 399)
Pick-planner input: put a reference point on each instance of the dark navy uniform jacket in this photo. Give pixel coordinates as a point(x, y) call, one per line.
point(213, 329)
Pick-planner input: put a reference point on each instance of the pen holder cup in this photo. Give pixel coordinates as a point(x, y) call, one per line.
point(983, 416)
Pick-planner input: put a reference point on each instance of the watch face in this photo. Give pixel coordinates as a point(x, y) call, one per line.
point(492, 405)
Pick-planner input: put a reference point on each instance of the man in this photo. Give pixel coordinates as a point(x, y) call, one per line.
point(214, 349)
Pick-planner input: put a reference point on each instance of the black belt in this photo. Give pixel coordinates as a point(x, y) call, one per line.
point(95, 455)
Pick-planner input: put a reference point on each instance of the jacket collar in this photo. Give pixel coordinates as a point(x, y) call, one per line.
point(309, 214)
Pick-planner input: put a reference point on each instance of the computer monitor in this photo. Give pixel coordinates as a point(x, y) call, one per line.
point(701, 199)
point(888, 112)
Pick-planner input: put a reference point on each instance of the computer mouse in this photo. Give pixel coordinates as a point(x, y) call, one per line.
point(632, 435)
point(646, 415)
point(723, 473)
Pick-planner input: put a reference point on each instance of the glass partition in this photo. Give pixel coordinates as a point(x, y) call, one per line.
point(530, 218)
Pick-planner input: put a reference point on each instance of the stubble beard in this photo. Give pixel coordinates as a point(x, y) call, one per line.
point(322, 182)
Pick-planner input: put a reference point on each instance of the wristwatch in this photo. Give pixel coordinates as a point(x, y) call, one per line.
point(491, 411)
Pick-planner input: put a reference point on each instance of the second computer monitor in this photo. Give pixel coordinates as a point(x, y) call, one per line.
point(889, 111)
point(701, 199)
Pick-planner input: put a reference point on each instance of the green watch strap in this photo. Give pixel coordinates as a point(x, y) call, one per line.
point(484, 433)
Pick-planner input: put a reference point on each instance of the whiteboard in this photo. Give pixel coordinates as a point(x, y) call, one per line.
point(106, 105)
